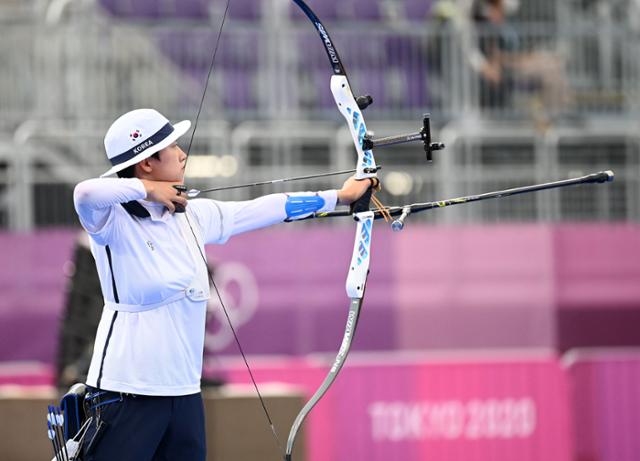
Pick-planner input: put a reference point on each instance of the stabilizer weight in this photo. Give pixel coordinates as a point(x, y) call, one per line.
point(398, 224)
point(364, 101)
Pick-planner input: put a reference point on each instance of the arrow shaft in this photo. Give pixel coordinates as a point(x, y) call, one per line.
point(600, 177)
point(195, 192)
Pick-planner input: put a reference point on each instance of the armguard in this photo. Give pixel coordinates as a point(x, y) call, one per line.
point(299, 206)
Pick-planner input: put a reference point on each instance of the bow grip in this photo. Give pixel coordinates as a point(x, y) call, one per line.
point(362, 204)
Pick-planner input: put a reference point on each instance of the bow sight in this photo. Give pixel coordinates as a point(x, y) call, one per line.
point(424, 135)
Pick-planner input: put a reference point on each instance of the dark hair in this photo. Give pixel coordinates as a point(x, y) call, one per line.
point(480, 8)
point(130, 171)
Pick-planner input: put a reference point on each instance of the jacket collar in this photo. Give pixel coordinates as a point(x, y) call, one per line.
point(135, 208)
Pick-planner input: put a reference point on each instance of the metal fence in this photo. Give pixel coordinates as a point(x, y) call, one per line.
point(479, 158)
point(95, 66)
point(269, 112)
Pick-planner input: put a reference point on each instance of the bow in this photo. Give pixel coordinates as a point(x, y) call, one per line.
point(351, 109)
point(366, 168)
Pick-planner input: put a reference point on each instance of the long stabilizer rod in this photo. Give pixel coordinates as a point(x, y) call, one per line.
point(600, 177)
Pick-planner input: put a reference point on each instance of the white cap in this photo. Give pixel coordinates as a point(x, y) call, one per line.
point(138, 135)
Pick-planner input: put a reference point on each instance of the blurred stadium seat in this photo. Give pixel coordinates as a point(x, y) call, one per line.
point(418, 10)
point(270, 66)
point(152, 9)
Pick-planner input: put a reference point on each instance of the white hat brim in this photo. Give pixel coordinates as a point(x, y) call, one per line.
point(179, 129)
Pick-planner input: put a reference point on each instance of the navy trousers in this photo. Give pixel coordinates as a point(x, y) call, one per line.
point(143, 428)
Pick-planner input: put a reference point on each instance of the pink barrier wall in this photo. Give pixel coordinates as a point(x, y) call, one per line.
point(32, 284)
point(430, 287)
point(454, 407)
point(421, 408)
point(605, 403)
point(597, 266)
point(26, 374)
point(467, 287)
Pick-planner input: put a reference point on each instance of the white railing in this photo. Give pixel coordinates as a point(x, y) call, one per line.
point(478, 158)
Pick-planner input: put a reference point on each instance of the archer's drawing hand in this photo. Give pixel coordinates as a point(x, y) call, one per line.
point(164, 192)
point(353, 189)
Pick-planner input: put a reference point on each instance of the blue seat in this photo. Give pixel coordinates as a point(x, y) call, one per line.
point(326, 10)
point(342, 10)
point(193, 48)
point(407, 65)
point(417, 10)
point(153, 9)
point(245, 10)
point(238, 91)
point(363, 10)
point(236, 62)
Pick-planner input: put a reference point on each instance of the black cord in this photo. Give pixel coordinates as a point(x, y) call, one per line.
point(235, 336)
point(204, 259)
point(206, 85)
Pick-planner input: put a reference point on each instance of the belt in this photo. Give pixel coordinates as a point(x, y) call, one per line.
point(193, 294)
point(97, 398)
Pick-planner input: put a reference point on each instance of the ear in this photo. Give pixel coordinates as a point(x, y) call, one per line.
point(145, 165)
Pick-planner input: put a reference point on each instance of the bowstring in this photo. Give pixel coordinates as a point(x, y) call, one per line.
point(206, 84)
point(235, 336)
point(204, 259)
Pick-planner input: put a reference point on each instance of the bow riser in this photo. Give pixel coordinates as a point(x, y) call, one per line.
point(359, 267)
point(351, 112)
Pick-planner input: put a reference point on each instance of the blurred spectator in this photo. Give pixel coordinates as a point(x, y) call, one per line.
point(504, 66)
point(445, 10)
point(80, 317)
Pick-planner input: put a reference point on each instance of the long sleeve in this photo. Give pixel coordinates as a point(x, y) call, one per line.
point(221, 220)
point(94, 201)
point(272, 209)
